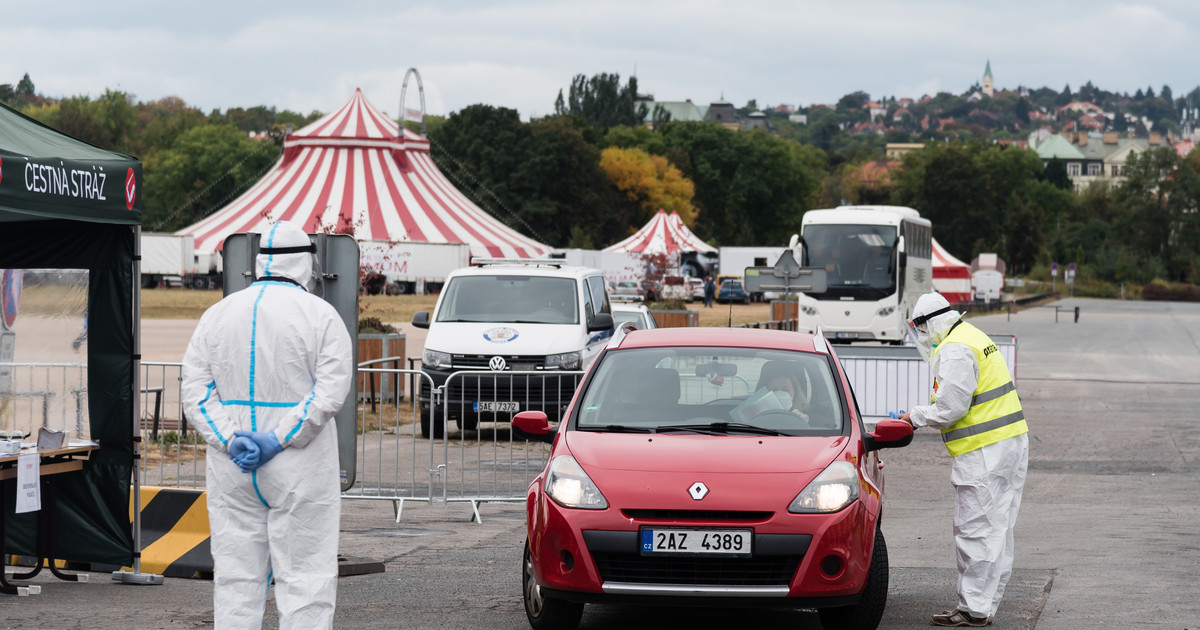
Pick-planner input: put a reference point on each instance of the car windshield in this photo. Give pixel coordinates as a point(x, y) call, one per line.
point(717, 390)
point(510, 300)
point(859, 260)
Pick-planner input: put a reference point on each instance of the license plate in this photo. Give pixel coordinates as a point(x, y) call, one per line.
point(673, 540)
point(846, 335)
point(493, 405)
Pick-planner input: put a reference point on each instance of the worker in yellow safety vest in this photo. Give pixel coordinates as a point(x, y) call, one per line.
point(975, 405)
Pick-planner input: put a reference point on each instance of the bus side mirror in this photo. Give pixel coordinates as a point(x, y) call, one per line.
point(903, 259)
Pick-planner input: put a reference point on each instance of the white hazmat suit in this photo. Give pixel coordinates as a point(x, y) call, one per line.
point(275, 360)
point(988, 481)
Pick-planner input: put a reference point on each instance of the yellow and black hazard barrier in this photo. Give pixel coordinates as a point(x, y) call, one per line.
point(175, 535)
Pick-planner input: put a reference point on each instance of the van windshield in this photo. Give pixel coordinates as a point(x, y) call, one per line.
point(510, 300)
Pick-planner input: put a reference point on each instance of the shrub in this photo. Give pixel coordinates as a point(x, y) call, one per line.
point(373, 325)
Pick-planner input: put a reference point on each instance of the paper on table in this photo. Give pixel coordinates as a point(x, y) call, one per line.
point(29, 486)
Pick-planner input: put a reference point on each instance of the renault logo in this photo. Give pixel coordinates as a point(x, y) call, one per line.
point(497, 364)
point(698, 490)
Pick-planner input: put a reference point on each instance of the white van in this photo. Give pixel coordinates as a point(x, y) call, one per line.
point(541, 318)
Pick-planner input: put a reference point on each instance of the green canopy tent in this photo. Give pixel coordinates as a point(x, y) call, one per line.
point(66, 204)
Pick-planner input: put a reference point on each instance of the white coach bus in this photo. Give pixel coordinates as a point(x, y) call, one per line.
point(877, 261)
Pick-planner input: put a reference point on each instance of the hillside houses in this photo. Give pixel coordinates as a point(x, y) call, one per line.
point(1098, 158)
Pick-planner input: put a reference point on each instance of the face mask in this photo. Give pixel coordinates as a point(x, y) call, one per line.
point(785, 399)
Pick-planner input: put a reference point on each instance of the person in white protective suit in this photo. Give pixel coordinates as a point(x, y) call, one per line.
point(265, 372)
point(975, 406)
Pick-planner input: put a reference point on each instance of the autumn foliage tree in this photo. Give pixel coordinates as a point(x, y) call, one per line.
point(647, 183)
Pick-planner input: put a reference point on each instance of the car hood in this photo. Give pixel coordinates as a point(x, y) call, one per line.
point(507, 339)
point(740, 472)
point(752, 454)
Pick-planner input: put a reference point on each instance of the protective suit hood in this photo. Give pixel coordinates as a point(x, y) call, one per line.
point(931, 332)
point(285, 251)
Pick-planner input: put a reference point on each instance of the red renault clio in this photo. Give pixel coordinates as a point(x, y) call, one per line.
point(709, 467)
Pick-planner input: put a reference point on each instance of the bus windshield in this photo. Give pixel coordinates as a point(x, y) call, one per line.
point(859, 260)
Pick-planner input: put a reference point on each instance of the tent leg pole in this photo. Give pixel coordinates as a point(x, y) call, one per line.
point(136, 576)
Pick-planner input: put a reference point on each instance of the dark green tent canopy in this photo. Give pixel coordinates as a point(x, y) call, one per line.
point(66, 204)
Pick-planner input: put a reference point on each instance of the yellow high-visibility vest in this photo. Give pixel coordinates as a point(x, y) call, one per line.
point(995, 413)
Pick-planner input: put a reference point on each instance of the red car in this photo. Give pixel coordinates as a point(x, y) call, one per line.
point(709, 467)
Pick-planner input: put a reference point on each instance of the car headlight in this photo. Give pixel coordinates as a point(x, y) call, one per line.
point(435, 359)
point(564, 361)
point(887, 310)
point(833, 489)
point(570, 487)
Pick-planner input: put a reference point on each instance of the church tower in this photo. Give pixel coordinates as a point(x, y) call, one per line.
point(988, 89)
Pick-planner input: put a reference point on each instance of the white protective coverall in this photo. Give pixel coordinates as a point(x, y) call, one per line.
point(987, 482)
point(272, 357)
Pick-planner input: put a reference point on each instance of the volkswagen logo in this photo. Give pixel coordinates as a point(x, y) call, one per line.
point(497, 364)
point(698, 490)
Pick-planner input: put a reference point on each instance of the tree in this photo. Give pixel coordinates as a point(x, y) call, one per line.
point(602, 101)
point(1064, 97)
point(205, 168)
point(751, 188)
point(1166, 94)
point(25, 86)
point(1021, 111)
point(646, 184)
point(1055, 174)
point(7, 93)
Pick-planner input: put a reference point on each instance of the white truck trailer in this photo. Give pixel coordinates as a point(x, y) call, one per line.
point(400, 267)
point(166, 259)
point(734, 260)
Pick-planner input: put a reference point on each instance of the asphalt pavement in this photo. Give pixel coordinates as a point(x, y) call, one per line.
point(1107, 535)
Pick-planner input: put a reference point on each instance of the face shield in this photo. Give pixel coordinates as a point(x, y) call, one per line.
point(932, 318)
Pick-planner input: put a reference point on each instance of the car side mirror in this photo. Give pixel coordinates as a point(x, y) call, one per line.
point(534, 425)
point(889, 434)
point(421, 319)
point(601, 321)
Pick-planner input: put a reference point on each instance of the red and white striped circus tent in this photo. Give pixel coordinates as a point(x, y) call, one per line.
point(951, 276)
point(664, 234)
point(349, 169)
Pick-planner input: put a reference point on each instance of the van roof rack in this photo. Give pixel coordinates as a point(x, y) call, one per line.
point(547, 262)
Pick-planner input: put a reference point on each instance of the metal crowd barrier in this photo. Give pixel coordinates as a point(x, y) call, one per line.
point(394, 461)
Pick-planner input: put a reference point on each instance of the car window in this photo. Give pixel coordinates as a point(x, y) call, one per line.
point(658, 387)
point(638, 318)
point(599, 296)
point(510, 299)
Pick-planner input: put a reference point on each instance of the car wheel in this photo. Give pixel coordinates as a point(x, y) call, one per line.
point(868, 612)
point(545, 613)
point(468, 422)
point(427, 423)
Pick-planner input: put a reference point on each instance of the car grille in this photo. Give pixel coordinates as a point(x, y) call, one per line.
point(529, 389)
point(697, 515)
point(481, 362)
point(636, 568)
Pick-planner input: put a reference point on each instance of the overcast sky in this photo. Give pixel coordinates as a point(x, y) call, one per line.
point(306, 55)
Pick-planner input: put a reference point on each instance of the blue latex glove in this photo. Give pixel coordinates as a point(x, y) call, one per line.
point(895, 414)
point(245, 453)
point(267, 443)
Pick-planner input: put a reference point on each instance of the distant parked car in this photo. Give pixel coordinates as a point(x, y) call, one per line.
point(634, 312)
point(675, 288)
point(625, 290)
point(732, 291)
point(696, 288)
